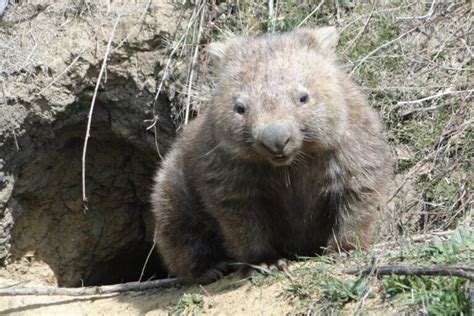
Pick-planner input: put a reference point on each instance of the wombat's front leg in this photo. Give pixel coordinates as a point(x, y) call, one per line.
point(190, 246)
point(247, 238)
point(353, 230)
point(188, 239)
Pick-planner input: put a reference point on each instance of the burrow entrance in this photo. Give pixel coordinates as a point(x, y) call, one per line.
point(105, 244)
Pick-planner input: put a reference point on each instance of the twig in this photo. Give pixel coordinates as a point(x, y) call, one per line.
point(146, 260)
point(367, 289)
point(31, 53)
point(362, 30)
point(381, 47)
point(426, 16)
point(310, 15)
point(462, 272)
point(414, 239)
point(204, 69)
point(428, 109)
point(448, 91)
point(191, 74)
point(409, 175)
point(89, 121)
point(90, 290)
point(154, 121)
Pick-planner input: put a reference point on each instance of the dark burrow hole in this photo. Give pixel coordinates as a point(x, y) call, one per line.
point(127, 266)
point(105, 244)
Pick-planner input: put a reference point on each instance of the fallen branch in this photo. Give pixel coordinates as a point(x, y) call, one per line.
point(448, 91)
point(91, 290)
point(462, 272)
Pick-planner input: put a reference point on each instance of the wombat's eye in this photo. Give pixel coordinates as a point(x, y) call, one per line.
point(239, 108)
point(303, 97)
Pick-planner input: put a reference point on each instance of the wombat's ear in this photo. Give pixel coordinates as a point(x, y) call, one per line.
point(325, 39)
point(221, 51)
point(217, 50)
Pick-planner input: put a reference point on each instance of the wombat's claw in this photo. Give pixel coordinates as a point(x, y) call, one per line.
point(282, 264)
point(279, 265)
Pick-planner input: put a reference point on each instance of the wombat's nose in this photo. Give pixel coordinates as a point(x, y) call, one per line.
point(274, 138)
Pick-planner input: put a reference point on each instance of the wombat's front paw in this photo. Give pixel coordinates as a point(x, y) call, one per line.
point(263, 268)
point(213, 274)
point(209, 276)
point(279, 265)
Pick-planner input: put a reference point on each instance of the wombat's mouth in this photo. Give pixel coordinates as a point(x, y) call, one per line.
point(281, 160)
point(277, 160)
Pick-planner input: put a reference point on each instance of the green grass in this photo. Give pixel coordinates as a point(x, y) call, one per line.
point(340, 292)
point(436, 295)
point(458, 249)
point(321, 285)
point(189, 303)
point(263, 278)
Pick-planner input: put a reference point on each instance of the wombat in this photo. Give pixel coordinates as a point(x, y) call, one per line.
point(286, 160)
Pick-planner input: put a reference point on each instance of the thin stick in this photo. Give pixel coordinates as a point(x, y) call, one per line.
point(190, 84)
point(448, 91)
point(165, 75)
point(381, 47)
point(426, 16)
point(310, 15)
point(414, 239)
point(422, 110)
point(90, 290)
point(462, 272)
point(31, 53)
point(146, 260)
point(362, 30)
point(89, 121)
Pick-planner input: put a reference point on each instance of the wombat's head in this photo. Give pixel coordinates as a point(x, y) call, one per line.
point(278, 96)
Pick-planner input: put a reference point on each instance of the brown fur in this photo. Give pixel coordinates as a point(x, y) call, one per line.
point(219, 196)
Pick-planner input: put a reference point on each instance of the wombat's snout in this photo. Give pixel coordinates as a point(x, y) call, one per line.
point(273, 140)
